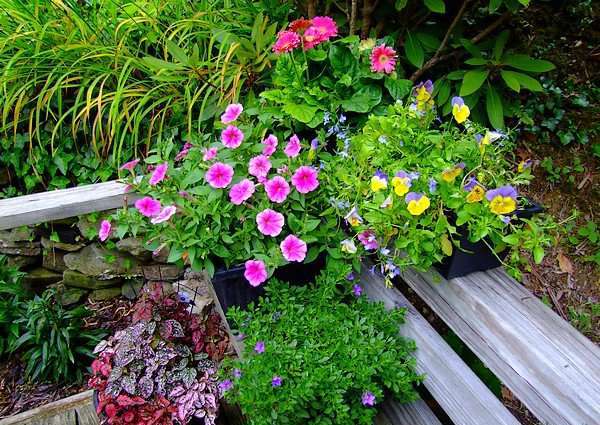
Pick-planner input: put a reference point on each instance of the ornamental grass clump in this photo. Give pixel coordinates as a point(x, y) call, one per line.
point(410, 187)
point(248, 195)
point(319, 354)
point(161, 369)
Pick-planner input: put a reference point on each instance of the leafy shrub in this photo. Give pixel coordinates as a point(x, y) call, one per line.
point(53, 343)
point(12, 295)
point(216, 204)
point(162, 368)
point(410, 189)
point(315, 355)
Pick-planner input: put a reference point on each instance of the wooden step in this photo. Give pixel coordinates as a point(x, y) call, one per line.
point(462, 395)
point(417, 413)
point(551, 367)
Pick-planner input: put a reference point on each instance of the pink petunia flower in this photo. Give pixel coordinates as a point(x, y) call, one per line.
point(256, 273)
point(164, 215)
point(183, 152)
point(368, 239)
point(277, 189)
point(293, 248)
point(104, 231)
point(270, 145)
point(130, 165)
point(232, 112)
point(209, 154)
point(147, 206)
point(219, 175)
point(292, 149)
point(259, 166)
point(269, 222)
point(383, 59)
point(286, 42)
point(325, 26)
point(158, 174)
point(232, 137)
point(241, 191)
point(305, 179)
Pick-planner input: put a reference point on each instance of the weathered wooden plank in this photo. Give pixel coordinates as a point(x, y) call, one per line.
point(545, 362)
point(461, 394)
point(58, 204)
point(86, 414)
point(394, 413)
point(61, 412)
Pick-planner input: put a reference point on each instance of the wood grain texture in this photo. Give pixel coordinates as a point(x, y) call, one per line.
point(417, 413)
point(461, 394)
point(58, 204)
point(61, 412)
point(544, 361)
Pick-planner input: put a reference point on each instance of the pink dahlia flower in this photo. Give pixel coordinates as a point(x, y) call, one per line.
point(269, 222)
point(164, 215)
point(232, 137)
point(209, 154)
point(305, 179)
point(383, 59)
point(219, 175)
point(277, 189)
point(148, 207)
point(292, 149)
point(311, 38)
point(270, 145)
point(325, 26)
point(130, 165)
point(255, 273)
point(158, 174)
point(259, 166)
point(232, 112)
point(241, 191)
point(104, 231)
point(286, 42)
point(293, 248)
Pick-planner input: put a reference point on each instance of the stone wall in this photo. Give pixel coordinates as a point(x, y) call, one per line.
point(66, 255)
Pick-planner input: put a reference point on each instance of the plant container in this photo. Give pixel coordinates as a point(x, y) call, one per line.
point(233, 290)
point(477, 256)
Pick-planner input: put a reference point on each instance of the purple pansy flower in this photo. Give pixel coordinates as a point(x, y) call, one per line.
point(505, 191)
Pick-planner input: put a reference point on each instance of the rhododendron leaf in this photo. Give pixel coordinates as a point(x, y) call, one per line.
point(414, 50)
point(494, 108)
point(472, 81)
point(437, 6)
point(527, 63)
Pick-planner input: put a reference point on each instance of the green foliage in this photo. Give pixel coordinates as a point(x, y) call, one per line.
point(53, 343)
point(556, 173)
point(589, 235)
point(334, 78)
point(586, 317)
point(11, 308)
point(117, 75)
point(328, 347)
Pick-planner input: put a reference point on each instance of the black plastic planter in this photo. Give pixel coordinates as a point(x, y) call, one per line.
point(233, 289)
point(477, 256)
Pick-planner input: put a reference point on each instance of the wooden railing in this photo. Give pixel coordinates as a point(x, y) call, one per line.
point(542, 359)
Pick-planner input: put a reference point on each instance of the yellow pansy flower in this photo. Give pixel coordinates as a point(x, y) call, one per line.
point(417, 203)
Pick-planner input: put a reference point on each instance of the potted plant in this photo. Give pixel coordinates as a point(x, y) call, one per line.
point(162, 369)
point(239, 204)
point(319, 354)
point(418, 192)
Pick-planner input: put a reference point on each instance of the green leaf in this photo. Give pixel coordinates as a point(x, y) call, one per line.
point(363, 100)
point(303, 113)
point(472, 81)
point(510, 80)
point(414, 50)
point(470, 47)
point(160, 65)
point(500, 43)
point(398, 88)
point(294, 223)
point(493, 105)
point(526, 81)
point(538, 254)
point(527, 63)
point(311, 225)
point(476, 61)
point(442, 91)
point(494, 5)
point(341, 59)
point(316, 55)
point(177, 52)
point(428, 40)
point(436, 6)
point(455, 75)
point(193, 177)
point(400, 4)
